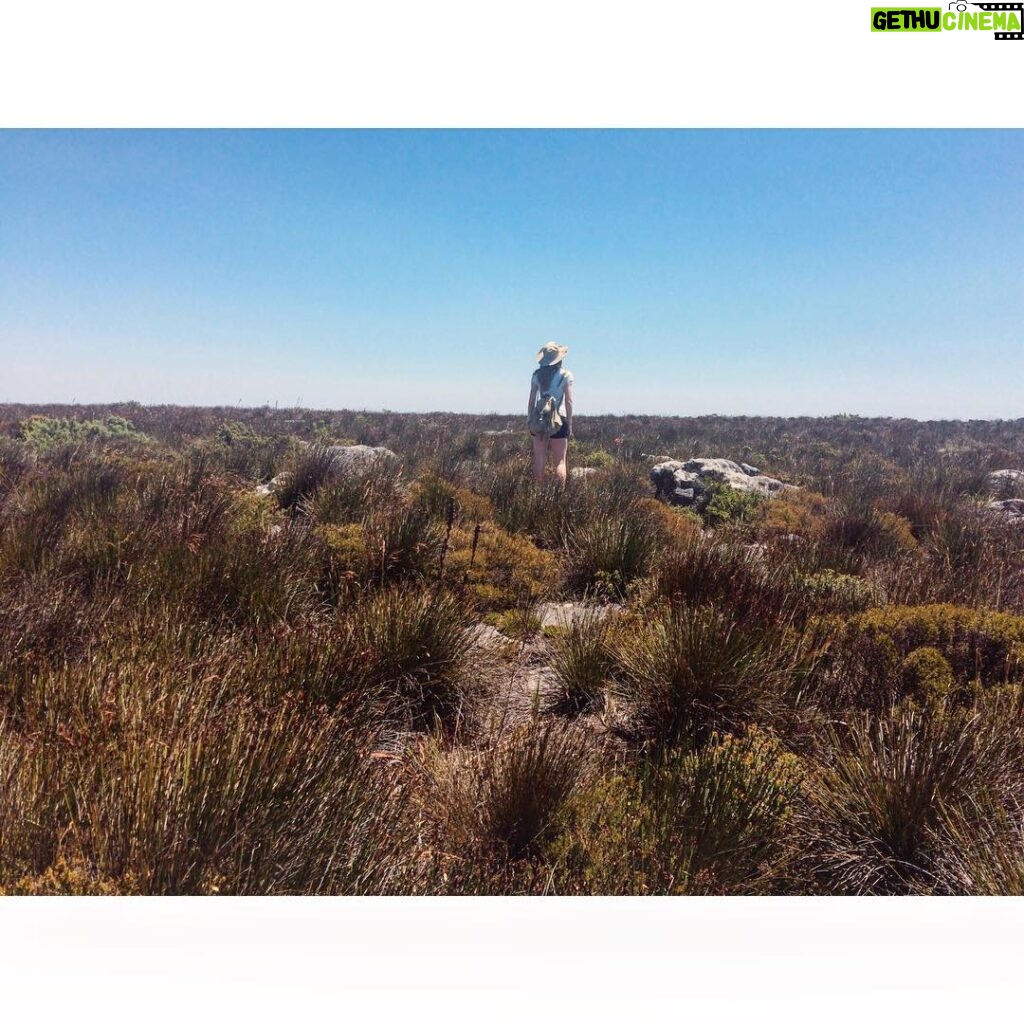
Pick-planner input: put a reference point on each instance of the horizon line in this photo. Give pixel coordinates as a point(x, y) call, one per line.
point(449, 412)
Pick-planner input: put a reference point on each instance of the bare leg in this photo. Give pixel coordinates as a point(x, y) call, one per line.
point(559, 451)
point(540, 447)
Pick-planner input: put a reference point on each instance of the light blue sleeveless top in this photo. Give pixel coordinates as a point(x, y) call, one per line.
point(556, 389)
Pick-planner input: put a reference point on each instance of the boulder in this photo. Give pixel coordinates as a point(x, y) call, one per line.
point(487, 637)
point(346, 459)
point(1005, 481)
point(1009, 508)
point(564, 614)
point(357, 458)
point(274, 485)
point(682, 483)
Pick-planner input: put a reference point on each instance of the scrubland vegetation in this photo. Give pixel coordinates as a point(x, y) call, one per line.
point(350, 683)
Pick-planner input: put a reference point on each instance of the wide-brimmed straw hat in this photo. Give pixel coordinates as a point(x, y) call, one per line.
point(551, 353)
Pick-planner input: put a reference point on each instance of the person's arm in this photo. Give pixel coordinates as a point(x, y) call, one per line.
point(568, 405)
point(533, 398)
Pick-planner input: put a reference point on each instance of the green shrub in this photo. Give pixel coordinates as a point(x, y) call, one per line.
point(249, 454)
point(723, 504)
point(835, 592)
point(499, 569)
point(927, 675)
point(716, 821)
point(43, 432)
point(523, 621)
point(597, 458)
point(982, 646)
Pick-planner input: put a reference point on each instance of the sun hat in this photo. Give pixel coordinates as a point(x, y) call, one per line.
point(551, 353)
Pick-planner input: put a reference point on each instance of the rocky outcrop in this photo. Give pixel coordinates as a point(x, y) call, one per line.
point(272, 486)
point(682, 483)
point(1008, 508)
point(1006, 481)
point(564, 614)
point(349, 458)
point(346, 460)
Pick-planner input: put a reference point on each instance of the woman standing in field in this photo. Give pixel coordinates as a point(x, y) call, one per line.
point(550, 385)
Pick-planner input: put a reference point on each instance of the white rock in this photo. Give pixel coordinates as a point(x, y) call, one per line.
point(274, 485)
point(1006, 481)
point(1009, 508)
point(675, 479)
point(564, 613)
point(351, 458)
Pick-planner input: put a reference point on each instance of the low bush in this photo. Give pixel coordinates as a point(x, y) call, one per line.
point(715, 821)
point(688, 672)
point(877, 804)
point(721, 504)
point(582, 662)
point(830, 592)
point(507, 802)
point(411, 645)
point(499, 569)
point(43, 432)
point(927, 676)
point(980, 647)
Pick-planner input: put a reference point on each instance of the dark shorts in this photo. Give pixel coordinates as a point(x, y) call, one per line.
point(560, 435)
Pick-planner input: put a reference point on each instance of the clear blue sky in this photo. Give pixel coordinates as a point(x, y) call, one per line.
point(738, 272)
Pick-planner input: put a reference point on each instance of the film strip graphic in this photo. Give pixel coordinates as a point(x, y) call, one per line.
point(1019, 8)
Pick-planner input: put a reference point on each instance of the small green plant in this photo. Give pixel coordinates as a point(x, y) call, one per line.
point(723, 504)
point(522, 621)
point(927, 675)
point(831, 591)
point(714, 821)
point(598, 458)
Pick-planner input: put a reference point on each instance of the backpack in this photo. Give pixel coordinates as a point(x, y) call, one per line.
point(545, 419)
